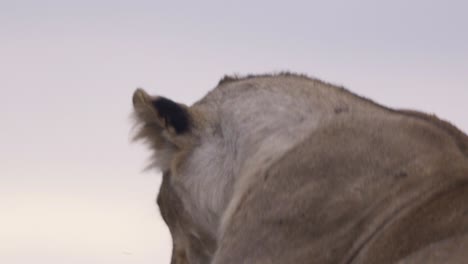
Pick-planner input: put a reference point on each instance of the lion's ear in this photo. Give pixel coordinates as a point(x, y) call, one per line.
point(166, 126)
point(159, 111)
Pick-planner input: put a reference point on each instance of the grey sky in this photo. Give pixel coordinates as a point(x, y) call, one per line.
point(71, 187)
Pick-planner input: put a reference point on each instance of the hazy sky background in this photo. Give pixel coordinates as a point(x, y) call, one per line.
point(71, 187)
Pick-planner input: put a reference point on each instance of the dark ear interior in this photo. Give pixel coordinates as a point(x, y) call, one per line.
point(160, 112)
point(172, 114)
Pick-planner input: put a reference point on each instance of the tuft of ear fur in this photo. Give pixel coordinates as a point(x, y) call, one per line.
point(163, 124)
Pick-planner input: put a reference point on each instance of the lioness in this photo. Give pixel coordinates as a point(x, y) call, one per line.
point(288, 169)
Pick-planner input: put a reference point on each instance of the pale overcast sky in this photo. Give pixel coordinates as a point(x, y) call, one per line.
point(71, 187)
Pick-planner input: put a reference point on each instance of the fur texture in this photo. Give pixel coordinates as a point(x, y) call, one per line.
point(288, 169)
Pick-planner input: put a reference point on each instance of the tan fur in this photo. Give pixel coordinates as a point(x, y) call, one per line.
point(288, 169)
